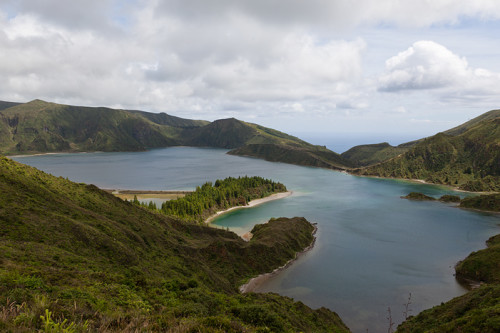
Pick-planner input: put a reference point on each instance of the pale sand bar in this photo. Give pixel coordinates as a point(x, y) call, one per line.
point(252, 203)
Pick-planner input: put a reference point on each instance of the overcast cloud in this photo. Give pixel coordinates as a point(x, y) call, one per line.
point(321, 66)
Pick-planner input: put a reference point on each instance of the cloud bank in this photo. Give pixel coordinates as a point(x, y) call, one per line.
point(247, 59)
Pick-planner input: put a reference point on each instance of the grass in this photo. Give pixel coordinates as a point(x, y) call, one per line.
point(98, 263)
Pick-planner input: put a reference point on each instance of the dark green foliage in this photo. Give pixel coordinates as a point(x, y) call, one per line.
point(223, 133)
point(364, 155)
point(469, 159)
point(489, 202)
point(418, 196)
point(230, 192)
point(483, 265)
point(92, 259)
point(316, 156)
point(6, 105)
point(478, 311)
point(450, 198)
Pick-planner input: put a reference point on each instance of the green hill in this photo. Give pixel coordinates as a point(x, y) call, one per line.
point(364, 155)
point(469, 159)
point(72, 255)
point(39, 127)
point(316, 156)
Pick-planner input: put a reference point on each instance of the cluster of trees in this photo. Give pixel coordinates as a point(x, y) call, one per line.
point(221, 195)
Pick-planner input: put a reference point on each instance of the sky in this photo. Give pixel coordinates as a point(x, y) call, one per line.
point(385, 70)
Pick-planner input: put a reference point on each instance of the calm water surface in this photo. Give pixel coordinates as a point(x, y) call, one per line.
point(373, 248)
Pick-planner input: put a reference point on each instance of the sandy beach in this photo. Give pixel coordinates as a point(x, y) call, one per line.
point(255, 282)
point(252, 203)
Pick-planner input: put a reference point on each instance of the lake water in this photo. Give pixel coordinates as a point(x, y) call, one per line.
point(373, 248)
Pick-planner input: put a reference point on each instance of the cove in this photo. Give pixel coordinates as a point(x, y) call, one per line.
point(372, 247)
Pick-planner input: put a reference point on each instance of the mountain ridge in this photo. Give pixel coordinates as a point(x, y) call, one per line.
point(466, 157)
point(39, 126)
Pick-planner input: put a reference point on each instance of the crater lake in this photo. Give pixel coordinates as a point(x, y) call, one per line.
point(373, 249)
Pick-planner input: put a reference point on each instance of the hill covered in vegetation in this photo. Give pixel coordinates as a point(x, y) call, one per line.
point(478, 310)
point(466, 157)
point(364, 155)
point(40, 127)
point(223, 194)
point(74, 256)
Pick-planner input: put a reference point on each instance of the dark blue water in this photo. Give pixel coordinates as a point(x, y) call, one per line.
point(373, 248)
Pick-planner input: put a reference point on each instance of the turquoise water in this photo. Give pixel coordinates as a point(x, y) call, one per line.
point(373, 248)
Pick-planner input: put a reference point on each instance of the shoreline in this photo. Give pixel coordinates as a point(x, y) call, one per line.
point(255, 282)
point(253, 203)
point(421, 181)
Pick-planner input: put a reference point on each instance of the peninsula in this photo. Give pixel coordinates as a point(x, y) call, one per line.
point(74, 256)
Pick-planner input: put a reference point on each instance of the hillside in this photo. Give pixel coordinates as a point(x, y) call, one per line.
point(39, 127)
point(370, 154)
point(364, 155)
point(76, 253)
point(316, 156)
point(468, 160)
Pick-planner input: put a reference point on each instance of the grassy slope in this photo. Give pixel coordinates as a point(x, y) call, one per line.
point(316, 156)
point(39, 126)
point(490, 115)
point(468, 160)
point(87, 255)
point(364, 155)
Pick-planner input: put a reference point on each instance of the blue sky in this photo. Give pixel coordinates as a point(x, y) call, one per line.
point(389, 69)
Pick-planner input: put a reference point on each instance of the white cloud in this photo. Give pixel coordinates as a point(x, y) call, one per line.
point(427, 65)
point(261, 58)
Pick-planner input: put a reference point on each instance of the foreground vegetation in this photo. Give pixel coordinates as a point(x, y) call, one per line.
point(74, 258)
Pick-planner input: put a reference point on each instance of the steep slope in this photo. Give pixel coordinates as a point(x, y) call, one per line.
point(39, 126)
point(223, 133)
point(6, 105)
point(166, 119)
point(490, 115)
point(469, 160)
point(315, 156)
point(364, 155)
point(73, 252)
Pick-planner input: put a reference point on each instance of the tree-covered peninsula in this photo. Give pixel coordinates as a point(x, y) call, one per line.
point(74, 258)
point(223, 194)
